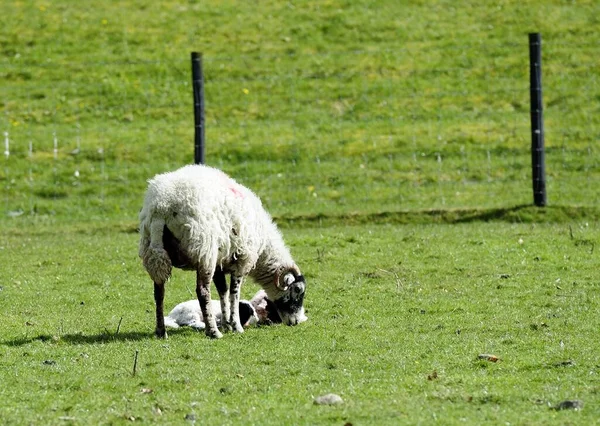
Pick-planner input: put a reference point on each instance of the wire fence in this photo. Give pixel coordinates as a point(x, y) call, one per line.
point(343, 132)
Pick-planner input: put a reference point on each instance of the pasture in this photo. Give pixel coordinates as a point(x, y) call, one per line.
point(397, 318)
point(390, 142)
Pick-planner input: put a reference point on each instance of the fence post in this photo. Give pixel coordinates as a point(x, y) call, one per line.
point(198, 87)
point(537, 120)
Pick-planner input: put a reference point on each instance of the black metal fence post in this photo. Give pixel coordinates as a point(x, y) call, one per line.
point(198, 87)
point(537, 120)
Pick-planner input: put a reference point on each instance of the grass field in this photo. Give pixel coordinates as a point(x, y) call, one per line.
point(388, 306)
point(321, 107)
point(390, 140)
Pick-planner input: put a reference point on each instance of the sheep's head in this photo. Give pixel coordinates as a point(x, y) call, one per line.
point(289, 300)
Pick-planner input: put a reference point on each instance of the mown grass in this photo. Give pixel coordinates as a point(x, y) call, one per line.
point(390, 140)
point(398, 315)
point(320, 107)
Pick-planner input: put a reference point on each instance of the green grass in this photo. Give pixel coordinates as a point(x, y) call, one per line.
point(388, 305)
point(364, 106)
point(390, 140)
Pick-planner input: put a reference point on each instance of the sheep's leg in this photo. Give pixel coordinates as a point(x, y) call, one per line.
point(221, 284)
point(203, 293)
point(159, 296)
point(234, 300)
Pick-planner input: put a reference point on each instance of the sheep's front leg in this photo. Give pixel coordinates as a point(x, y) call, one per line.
point(159, 296)
point(234, 300)
point(221, 284)
point(203, 294)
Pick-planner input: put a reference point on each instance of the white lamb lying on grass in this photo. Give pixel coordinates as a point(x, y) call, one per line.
point(189, 314)
point(258, 311)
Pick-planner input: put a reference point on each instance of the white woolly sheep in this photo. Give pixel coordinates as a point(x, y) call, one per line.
point(198, 218)
point(189, 314)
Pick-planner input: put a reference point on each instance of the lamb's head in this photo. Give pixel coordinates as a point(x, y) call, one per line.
point(265, 309)
point(248, 314)
point(290, 298)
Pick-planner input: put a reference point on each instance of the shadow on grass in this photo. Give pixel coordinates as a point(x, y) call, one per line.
point(100, 338)
point(513, 214)
point(525, 213)
point(81, 339)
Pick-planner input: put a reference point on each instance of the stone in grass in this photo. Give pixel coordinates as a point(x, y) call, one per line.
point(329, 399)
point(569, 405)
point(488, 357)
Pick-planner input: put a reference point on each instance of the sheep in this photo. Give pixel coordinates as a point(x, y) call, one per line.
point(198, 218)
point(189, 314)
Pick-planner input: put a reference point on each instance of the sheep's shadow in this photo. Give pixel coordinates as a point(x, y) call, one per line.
point(80, 338)
point(100, 338)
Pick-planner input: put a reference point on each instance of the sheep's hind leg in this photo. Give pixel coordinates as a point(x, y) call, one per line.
point(234, 300)
point(159, 296)
point(203, 294)
point(221, 284)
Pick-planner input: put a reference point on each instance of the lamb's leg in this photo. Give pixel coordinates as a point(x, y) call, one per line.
point(234, 300)
point(203, 293)
point(159, 295)
point(221, 284)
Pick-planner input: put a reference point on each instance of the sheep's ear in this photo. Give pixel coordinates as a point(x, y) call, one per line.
point(289, 279)
point(285, 281)
point(284, 278)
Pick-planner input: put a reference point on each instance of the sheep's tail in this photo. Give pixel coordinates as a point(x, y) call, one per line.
point(170, 322)
point(155, 258)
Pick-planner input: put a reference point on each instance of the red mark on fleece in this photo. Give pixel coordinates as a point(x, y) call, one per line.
point(236, 191)
point(232, 186)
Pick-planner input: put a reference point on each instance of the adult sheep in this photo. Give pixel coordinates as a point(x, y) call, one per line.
point(198, 218)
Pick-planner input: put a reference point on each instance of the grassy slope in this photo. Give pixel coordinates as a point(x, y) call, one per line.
point(379, 106)
point(388, 306)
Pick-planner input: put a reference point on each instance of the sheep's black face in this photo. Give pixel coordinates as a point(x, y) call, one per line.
point(290, 304)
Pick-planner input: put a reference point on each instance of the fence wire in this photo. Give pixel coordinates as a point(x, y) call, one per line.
point(345, 132)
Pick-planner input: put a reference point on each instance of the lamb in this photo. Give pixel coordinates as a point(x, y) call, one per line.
point(258, 311)
point(266, 311)
point(198, 218)
point(189, 314)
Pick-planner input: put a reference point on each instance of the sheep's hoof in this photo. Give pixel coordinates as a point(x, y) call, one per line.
point(216, 334)
point(227, 327)
point(161, 333)
point(237, 328)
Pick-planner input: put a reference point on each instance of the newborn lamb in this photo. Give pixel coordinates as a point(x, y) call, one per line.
point(266, 311)
point(189, 314)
